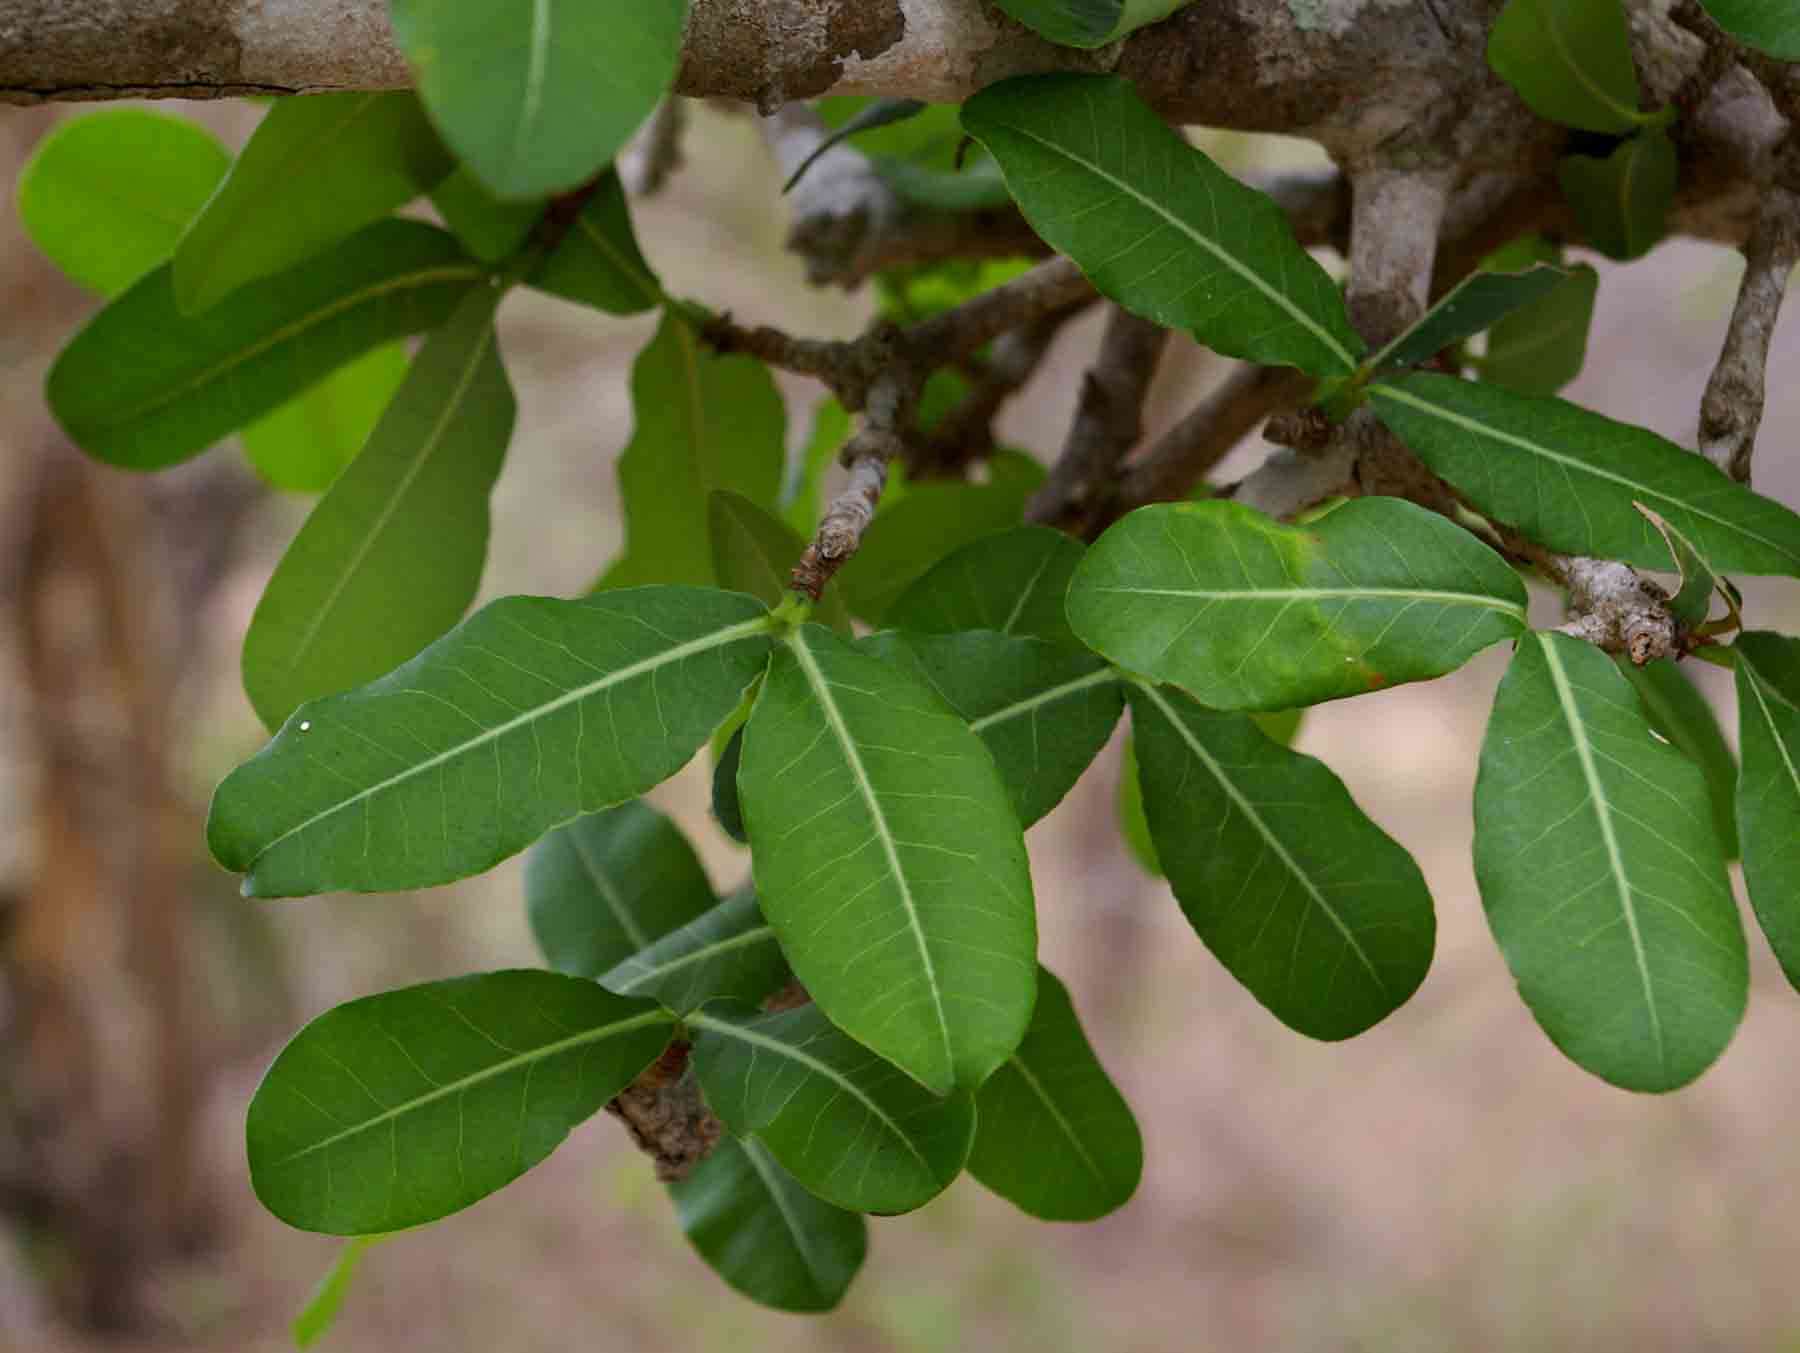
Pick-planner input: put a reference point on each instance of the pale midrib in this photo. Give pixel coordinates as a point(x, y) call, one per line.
point(1762, 703)
point(753, 1153)
point(1055, 693)
point(488, 1073)
point(1287, 594)
point(1248, 809)
point(608, 894)
point(835, 719)
point(1576, 69)
point(533, 101)
point(1018, 1064)
point(627, 982)
point(1615, 857)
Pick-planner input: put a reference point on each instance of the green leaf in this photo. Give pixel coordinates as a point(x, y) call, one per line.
point(765, 1235)
point(1540, 347)
point(527, 715)
point(401, 1108)
point(1316, 910)
point(1472, 305)
point(889, 861)
point(876, 113)
point(1768, 792)
point(1088, 23)
point(1572, 480)
point(1160, 228)
point(321, 1310)
point(1053, 1135)
point(598, 262)
point(611, 884)
point(1681, 714)
point(1622, 202)
point(489, 227)
point(1570, 60)
point(1692, 601)
point(754, 551)
point(1043, 711)
point(106, 195)
point(1602, 875)
point(704, 423)
point(1771, 26)
point(537, 95)
point(1245, 613)
point(1134, 827)
point(392, 555)
point(315, 170)
point(1013, 582)
point(305, 444)
point(729, 952)
point(143, 386)
point(850, 1127)
point(727, 811)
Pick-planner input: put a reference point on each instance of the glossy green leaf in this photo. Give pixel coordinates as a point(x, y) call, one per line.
point(1474, 304)
point(401, 1108)
point(306, 443)
point(1053, 1135)
point(1768, 792)
point(1245, 613)
point(143, 386)
point(392, 555)
point(1622, 202)
point(491, 228)
point(1540, 347)
point(321, 1310)
point(1692, 601)
point(537, 95)
point(728, 952)
point(1771, 26)
point(1602, 875)
point(765, 1235)
point(598, 262)
point(1134, 827)
point(527, 715)
point(1159, 227)
point(611, 884)
point(853, 1129)
point(1570, 60)
point(1013, 582)
point(1316, 910)
point(889, 861)
point(1572, 480)
point(755, 551)
point(1042, 710)
point(1677, 711)
point(316, 170)
point(1088, 23)
point(106, 195)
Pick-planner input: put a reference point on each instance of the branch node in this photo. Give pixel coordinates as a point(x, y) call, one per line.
point(666, 1115)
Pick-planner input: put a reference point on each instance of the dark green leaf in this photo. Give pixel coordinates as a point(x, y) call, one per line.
point(1622, 202)
point(1682, 715)
point(1771, 26)
point(1768, 796)
point(1692, 601)
point(143, 386)
point(1159, 227)
point(1475, 303)
point(755, 551)
point(726, 809)
point(889, 861)
point(850, 1127)
point(1307, 902)
point(392, 555)
point(1052, 1133)
point(1013, 582)
point(527, 715)
point(489, 227)
point(729, 952)
point(1572, 480)
point(598, 262)
point(401, 1108)
point(1088, 23)
point(1570, 60)
point(321, 1310)
point(1602, 875)
point(1540, 347)
point(1134, 827)
point(306, 443)
point(877, 113)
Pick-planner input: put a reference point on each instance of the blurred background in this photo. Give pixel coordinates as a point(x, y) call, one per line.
point(1446, 1181)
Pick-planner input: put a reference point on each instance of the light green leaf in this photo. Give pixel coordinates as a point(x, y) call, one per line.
point(1602, 875)
point(598, 262)
point(1622, 202)
point(1134, 827)
point(1572, 480)
point(316, 170)
point(765, 1235)
point(1245, 613)
point(398, 1109)
point(306, 443)
point(1052, 1133)
point(537, 95)
point(106, 195)
point(1540, 347)
point(1771, 26)
point(1159, 227)
point(729, 952)
point(527, 715)
point(1088, 23)
point(755, 551)
point(392, 555)
point(321, 1310)
point(1570, 60)
point(889, 861)
point(1316, 910)
point(1478, 301)
point(489, 227)
point(611, 884)
point(143, 386)
point(1692, 601)
point(1013, 582)
point(1681, 714)
point(1768, 792)
point(850, 1127)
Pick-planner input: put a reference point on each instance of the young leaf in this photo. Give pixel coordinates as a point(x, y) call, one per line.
point(1771, 26)
point(764, 1234)
point(401, 1108)
point(850, 1127)
point(1680, 713)
point(609, 885)
point(143, 386)
point(1601, 873)
point(321, 1310)
point(1692, 602)
point(1013, 582)
point(1316, 910)
point(315, 170)
point(727, 953)
point(527, 715)
point(537, 95)
point(106, 195)
point(877, 113)
point(1573, 480)
point(1621, 202)
point(889, 861)
point(392, 555)
point(489, 227)
point(1088, 23)
point(1134, 827)
point(306, 443)
point(1052, 1133)
point(1570, 60)
point(1478, 301)
point(1768, 794)
point(1539, 348)
point(1245, 613)
point(1159, 227)
point(598, 262)
point(754, 551)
